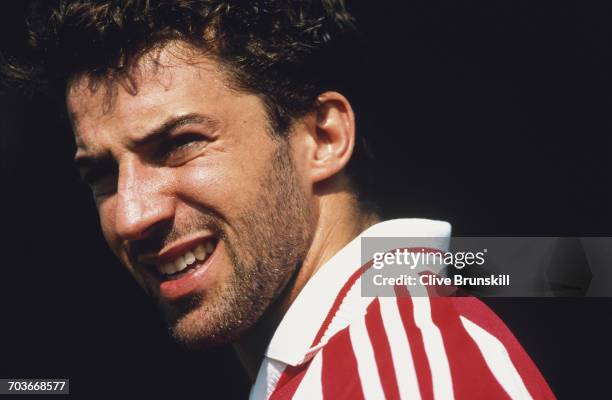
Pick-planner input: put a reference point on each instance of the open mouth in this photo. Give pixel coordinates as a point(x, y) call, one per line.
point(187, 262)
point(182, 267)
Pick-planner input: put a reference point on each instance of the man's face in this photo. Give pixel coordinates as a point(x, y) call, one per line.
point(199, 201)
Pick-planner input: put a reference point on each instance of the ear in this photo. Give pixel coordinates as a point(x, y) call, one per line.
point(333, 136)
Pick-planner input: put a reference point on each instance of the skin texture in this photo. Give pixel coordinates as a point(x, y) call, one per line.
point(278, 207)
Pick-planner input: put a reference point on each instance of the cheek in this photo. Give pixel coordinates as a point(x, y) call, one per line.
point(223, 187)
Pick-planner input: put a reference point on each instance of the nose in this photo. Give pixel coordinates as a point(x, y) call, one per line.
point(142, 201)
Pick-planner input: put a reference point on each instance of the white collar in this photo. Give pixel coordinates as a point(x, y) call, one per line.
point(292, 341)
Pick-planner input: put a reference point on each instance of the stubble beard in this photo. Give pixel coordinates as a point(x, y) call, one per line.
point(275, 234)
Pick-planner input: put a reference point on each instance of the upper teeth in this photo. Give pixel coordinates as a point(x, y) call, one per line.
point(199, 253)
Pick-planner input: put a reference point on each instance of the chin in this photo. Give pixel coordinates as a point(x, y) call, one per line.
point(198, 329)
point(200, 338)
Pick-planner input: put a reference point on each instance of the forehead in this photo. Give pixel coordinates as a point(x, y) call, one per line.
point(172, 81)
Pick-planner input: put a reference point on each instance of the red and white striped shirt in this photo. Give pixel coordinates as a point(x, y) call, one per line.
point(334, 343)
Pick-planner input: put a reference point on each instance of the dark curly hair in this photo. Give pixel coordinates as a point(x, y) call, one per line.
point(286, 51)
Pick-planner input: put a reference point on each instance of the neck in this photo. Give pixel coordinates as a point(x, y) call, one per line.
point(339, 221)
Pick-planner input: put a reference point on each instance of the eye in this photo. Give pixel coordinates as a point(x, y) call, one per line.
point(104, 186)
point(101, 178)
point(102, 183)
point(178, 149)
point(184, 140)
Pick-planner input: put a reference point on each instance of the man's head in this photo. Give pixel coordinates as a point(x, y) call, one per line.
point(208, 132)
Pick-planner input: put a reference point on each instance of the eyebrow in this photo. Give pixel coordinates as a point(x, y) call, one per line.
point(104, 162)
point(172, 124)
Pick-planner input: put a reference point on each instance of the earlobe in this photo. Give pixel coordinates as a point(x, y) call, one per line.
point(334, 136)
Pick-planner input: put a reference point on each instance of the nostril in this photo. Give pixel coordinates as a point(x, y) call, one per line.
point(150, 241)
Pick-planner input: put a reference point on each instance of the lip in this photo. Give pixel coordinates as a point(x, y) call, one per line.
point(175, 249)
point(193, 280)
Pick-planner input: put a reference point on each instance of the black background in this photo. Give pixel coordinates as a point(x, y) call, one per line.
point(491, 115)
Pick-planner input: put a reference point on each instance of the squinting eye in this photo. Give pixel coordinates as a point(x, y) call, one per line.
point(177, 148)
point(183, 140)
point(100, 176)
point(105, 186)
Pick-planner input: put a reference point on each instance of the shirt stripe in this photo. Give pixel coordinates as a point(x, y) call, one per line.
point(497, 359)
point(474, 310)
point(382, 350)
point(434, 348)
point(415, 338)
point(472, 378)
point(310, 387)
point(340, 365)
point(405, 372)
point(366, 362)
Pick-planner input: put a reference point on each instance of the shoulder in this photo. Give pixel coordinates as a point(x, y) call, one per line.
point(438, 347)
